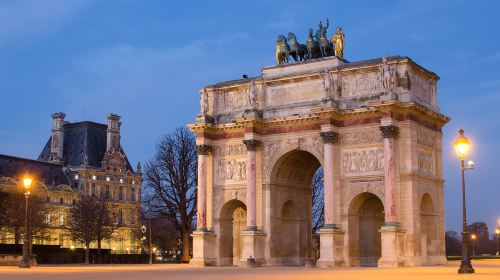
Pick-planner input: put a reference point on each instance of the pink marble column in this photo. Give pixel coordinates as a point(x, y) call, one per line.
point(329, 139)
point(203, 151)
point(252, 146)
point(389, 132)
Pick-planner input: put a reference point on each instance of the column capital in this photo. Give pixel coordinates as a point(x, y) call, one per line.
point(329, 137)
point(389, 131)
point(252, 145)
point(204, 149)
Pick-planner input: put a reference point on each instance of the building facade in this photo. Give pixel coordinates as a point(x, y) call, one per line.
point(373, 126)
point(81, 158)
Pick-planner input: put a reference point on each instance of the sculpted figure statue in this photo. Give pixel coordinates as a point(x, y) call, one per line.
point(321, 37)
point(328, 84)
point(204, 102)
point(338, 40)
point(252, 95)
point(387, 75)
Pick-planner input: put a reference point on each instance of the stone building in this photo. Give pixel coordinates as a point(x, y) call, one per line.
point(81, 158)
point(375, 128)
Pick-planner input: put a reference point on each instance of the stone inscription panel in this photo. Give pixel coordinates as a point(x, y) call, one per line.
point(295, 92)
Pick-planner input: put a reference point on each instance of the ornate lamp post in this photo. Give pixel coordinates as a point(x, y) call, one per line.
point(462, 147)
point(497, 232)
point(25, 260)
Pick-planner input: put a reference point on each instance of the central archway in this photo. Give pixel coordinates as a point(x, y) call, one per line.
point(366, 216)
point(291, 208)
point(232, 222)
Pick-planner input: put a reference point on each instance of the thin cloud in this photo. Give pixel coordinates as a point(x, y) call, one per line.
point(30, 19)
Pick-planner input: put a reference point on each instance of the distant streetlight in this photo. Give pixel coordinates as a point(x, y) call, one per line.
point(462, 148)
point(497, 232)
point(473, 237)
point(25, 260)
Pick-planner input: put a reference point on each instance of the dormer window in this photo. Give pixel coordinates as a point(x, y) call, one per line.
point(121, 181)
point(77, 177)
point(94, 177)
point(107, 179)
point(133, 182)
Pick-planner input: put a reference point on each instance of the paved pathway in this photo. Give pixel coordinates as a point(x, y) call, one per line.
point(486, 269)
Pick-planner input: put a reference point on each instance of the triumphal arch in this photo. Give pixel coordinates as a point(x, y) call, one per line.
point(374, 127)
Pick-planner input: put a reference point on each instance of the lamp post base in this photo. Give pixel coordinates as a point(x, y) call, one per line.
point(24, 264)
point(465, 267)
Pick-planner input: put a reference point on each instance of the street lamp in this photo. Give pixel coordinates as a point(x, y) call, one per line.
point(462, 147)
point(473, 237)
point(25, 261)
point(497, 232)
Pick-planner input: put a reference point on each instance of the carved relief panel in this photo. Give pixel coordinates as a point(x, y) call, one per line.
point(361, 137)
point(360, 84)
point(230, 164)
point(425, 161)
point(360, 162)
point(228, 101)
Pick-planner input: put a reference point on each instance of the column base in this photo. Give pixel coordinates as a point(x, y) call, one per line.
point(392, 239)
point(203, 248)
point(252, 254)
point(331, 247)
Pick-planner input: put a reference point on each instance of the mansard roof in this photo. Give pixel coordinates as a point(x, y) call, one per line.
point(50, 174)
point(82, 140)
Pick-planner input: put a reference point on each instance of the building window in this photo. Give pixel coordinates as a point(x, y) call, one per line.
point(107, 179)
point(120, 193)
point(74, 201)
point(94, 177)
point(61, 200)
point(132, 194)
point(93, 190)
point(121, 180)
point(107, 192)
point(77, 177)
point(61, 239)
point(61, 219)
point(48, 198)
point(133, 182)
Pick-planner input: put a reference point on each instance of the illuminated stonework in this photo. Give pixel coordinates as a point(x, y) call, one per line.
point(375, 128)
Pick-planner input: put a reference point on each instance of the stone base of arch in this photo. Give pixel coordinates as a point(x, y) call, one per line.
point(331, 248)
point(203, 249)
point(392, 241)
point(253, 248)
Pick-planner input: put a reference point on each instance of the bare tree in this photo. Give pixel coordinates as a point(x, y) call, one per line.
point(318, 213)
point(105, 222)
point(14, 210)
point(81, 222)
point(170, 183)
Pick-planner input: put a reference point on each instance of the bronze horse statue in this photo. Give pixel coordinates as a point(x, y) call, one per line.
point(297, 51)
point(282, 50)
point(312, 46)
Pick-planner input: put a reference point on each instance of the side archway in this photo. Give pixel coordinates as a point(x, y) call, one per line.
point(365, 217)
point(428, 229)
point(232, 222)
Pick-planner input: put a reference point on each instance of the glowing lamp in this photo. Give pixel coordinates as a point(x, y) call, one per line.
point(27, 182)
point(462, 145)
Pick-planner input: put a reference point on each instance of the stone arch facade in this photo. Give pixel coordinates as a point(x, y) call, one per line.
point(369, 137)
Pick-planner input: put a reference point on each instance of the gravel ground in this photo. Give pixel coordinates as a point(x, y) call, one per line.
point(485, 269)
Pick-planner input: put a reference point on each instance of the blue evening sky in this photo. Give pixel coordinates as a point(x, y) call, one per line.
point(146, 60)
